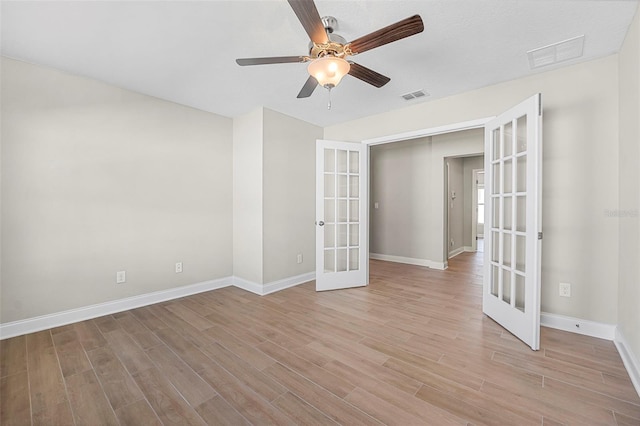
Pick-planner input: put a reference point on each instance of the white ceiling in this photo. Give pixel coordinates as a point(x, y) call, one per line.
point(184, 51)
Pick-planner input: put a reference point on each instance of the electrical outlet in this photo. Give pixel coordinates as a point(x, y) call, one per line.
point(299, 259)
point(178, 267)
point(565, 290)
point(121, 277)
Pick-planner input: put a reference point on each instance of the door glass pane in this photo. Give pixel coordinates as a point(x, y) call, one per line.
point(354, 186)
point(521, 175)
point(506, 252)
point(495, 276)
point(342, 235)
point(507, 209)
point(495, 136)
point(342, 210)
point(521, 213)
point(329, 160)
point(354, 210)
point(495, 246)
point(508, 176)
point(495, 203)
point(329, 185)
point(520, 292)
point(521, 253)
point(342, 161)
point(496, 179)
point(329, 236)
point(342, 186)
point(522, 134)
point(354, 235)
point(329, 211)
point(353, 259)
point(506, 286)
point(508, 140)
point(341, 260)
point(329, 260)
point(354, 162)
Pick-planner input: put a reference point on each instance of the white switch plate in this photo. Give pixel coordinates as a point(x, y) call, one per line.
point(121, 277)
point(565, 290)
point(376, 205)
point(178, 267)
point(299, 259)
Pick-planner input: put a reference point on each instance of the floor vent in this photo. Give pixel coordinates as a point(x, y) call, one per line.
point(414, 95)
point(556, 52)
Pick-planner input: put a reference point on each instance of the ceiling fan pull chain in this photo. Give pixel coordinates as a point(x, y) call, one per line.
point(329, 104)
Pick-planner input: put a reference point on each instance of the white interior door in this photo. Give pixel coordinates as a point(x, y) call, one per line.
point(513, 187)
point(342, 250)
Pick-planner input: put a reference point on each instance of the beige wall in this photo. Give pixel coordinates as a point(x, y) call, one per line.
point(580, 136)
point(399, 182)
point(408, 182)
point(629, 181)
point(289, 183)
point(247, 196)
point(97, 179)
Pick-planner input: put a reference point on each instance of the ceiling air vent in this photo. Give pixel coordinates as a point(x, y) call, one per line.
point(414, 95)
point(556, 52)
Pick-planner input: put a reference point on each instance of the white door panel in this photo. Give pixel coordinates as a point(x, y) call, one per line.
point(342, 250)
point(513, 189)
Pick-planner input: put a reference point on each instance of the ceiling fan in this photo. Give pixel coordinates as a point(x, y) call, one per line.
point(328, 51)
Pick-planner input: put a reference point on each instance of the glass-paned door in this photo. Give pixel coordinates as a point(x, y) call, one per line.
point(341, 212)
point(513, 164)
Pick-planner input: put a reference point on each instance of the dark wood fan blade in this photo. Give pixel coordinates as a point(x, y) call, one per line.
point(272, 60)
point(308, 87)
point(309, 17)
point(368, 75)
point(399, 30)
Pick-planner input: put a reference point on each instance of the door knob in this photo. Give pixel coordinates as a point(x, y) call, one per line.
point(321, 223)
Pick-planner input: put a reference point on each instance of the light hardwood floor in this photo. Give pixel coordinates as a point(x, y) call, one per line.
point(412, 348)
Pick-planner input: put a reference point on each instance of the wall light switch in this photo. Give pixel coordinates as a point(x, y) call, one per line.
point(121, 277)
point(299, 258)
point(376, 205)
point(565, 290)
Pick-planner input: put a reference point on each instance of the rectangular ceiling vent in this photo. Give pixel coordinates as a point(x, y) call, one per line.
point(556, 52)
point(414, 95)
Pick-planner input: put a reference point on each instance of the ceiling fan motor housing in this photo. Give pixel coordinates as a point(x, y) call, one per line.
point(336, 43)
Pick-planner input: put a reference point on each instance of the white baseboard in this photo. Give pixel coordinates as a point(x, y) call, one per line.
point(454, 253)
point(409, 261)
point(247, 285)
point(469, 249)
point(44, 322)
point(579, 326)
point(272, 287)
point(629, 359)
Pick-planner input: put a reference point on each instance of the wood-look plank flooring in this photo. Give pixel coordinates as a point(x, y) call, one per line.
point(412, 348)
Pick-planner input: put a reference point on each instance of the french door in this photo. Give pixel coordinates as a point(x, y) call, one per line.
point(342, 250)
point(513, 189)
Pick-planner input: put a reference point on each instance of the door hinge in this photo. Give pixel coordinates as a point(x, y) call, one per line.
point(540, 104)
point(539, 235)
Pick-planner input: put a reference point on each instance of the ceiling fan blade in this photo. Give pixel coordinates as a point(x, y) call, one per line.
point(368, 75)
point(405, 28)
point(309, 17)
point(308, 87)
point(271, 60)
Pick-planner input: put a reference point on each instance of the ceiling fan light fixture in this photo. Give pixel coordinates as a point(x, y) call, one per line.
point(328, 70)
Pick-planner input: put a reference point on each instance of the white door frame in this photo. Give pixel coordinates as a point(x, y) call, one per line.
point(416, 134)
point(474, 207)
